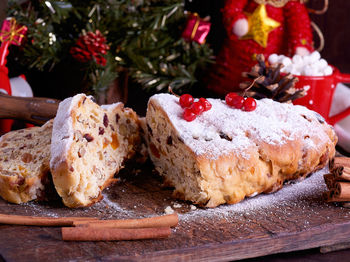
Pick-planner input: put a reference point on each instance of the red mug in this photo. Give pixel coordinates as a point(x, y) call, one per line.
point(320, 93)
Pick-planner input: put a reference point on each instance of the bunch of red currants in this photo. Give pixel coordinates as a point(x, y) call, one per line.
point(239, 102)
point(193, 108)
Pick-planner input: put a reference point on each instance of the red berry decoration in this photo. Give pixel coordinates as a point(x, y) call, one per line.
point(205, 103)
point(90, 46)
point(193, 109)
point(249, 104)
point(186, 100)
point(235, 101)
point(188, 115)
point(229, 98)
point(197, 108)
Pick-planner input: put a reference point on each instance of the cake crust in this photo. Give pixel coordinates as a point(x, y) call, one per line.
point(226, 154)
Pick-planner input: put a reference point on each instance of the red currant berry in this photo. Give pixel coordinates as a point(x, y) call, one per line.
point(188, 115)
point(249, 104)
point(236, 101)
point(229, 98)
point(205, 103)
point(186, 100)
point(197, 108)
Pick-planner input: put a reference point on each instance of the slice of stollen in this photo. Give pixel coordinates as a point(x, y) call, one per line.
point(24, 163)
point(89, 145)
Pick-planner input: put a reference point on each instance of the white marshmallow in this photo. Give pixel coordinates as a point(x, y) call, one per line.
point(287, 69)
point(323, 63)
point(328, 71)
point(297, 59)
point(307, 60)
point(317, 65)
point(295, 72)
point(309, 71)
point(273, 59)
point(315, 56)
point(286, 61)
point(281, 57)
point(309, 65)
point(318, 73)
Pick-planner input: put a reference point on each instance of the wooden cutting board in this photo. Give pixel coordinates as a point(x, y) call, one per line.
point(294, 218)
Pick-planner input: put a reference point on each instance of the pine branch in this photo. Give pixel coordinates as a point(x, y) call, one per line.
point(144, 37)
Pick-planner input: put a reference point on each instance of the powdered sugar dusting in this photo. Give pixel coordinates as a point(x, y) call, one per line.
point(107, 208)
point(110, 107)
point(114, 205)
point(62, 131)
point(210, 134)
point(289, 194)
point(33, 208)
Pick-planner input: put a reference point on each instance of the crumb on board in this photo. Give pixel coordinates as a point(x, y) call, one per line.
point(177, 205)
point(168, 210)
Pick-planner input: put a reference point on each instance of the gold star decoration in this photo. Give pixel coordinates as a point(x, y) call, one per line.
point(260, 25)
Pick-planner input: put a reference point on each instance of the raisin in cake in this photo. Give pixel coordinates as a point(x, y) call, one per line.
point(227, 154)
point(89, 145)
point(24, 163)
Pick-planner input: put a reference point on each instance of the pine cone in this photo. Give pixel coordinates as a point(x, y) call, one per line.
point(269, 83)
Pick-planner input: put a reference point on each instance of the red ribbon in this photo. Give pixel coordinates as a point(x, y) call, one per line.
point(11, 34)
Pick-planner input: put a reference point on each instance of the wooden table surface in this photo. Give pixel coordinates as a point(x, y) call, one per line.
point(295, 218)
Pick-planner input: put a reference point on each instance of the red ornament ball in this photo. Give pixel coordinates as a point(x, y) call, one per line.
point(249, 104)
point(188, 115)
point(234, 100)
point(205, 103)
point(186, 100)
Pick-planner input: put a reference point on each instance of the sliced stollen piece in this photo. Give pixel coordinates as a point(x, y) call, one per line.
point(89, 145)
point(24, 163)
point(227, 154)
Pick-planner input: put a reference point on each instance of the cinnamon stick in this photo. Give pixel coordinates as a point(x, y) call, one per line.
point(341, 173)
point(111, 234)
point(329, 179)
point(330, 196)
point(342, 190)
point(41, 221)
point(339, 193)
point(340, 161)
point(151, 222)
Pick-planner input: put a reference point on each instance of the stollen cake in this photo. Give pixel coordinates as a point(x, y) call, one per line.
point(227, 154)
point(89, 145)
point(24, 163)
